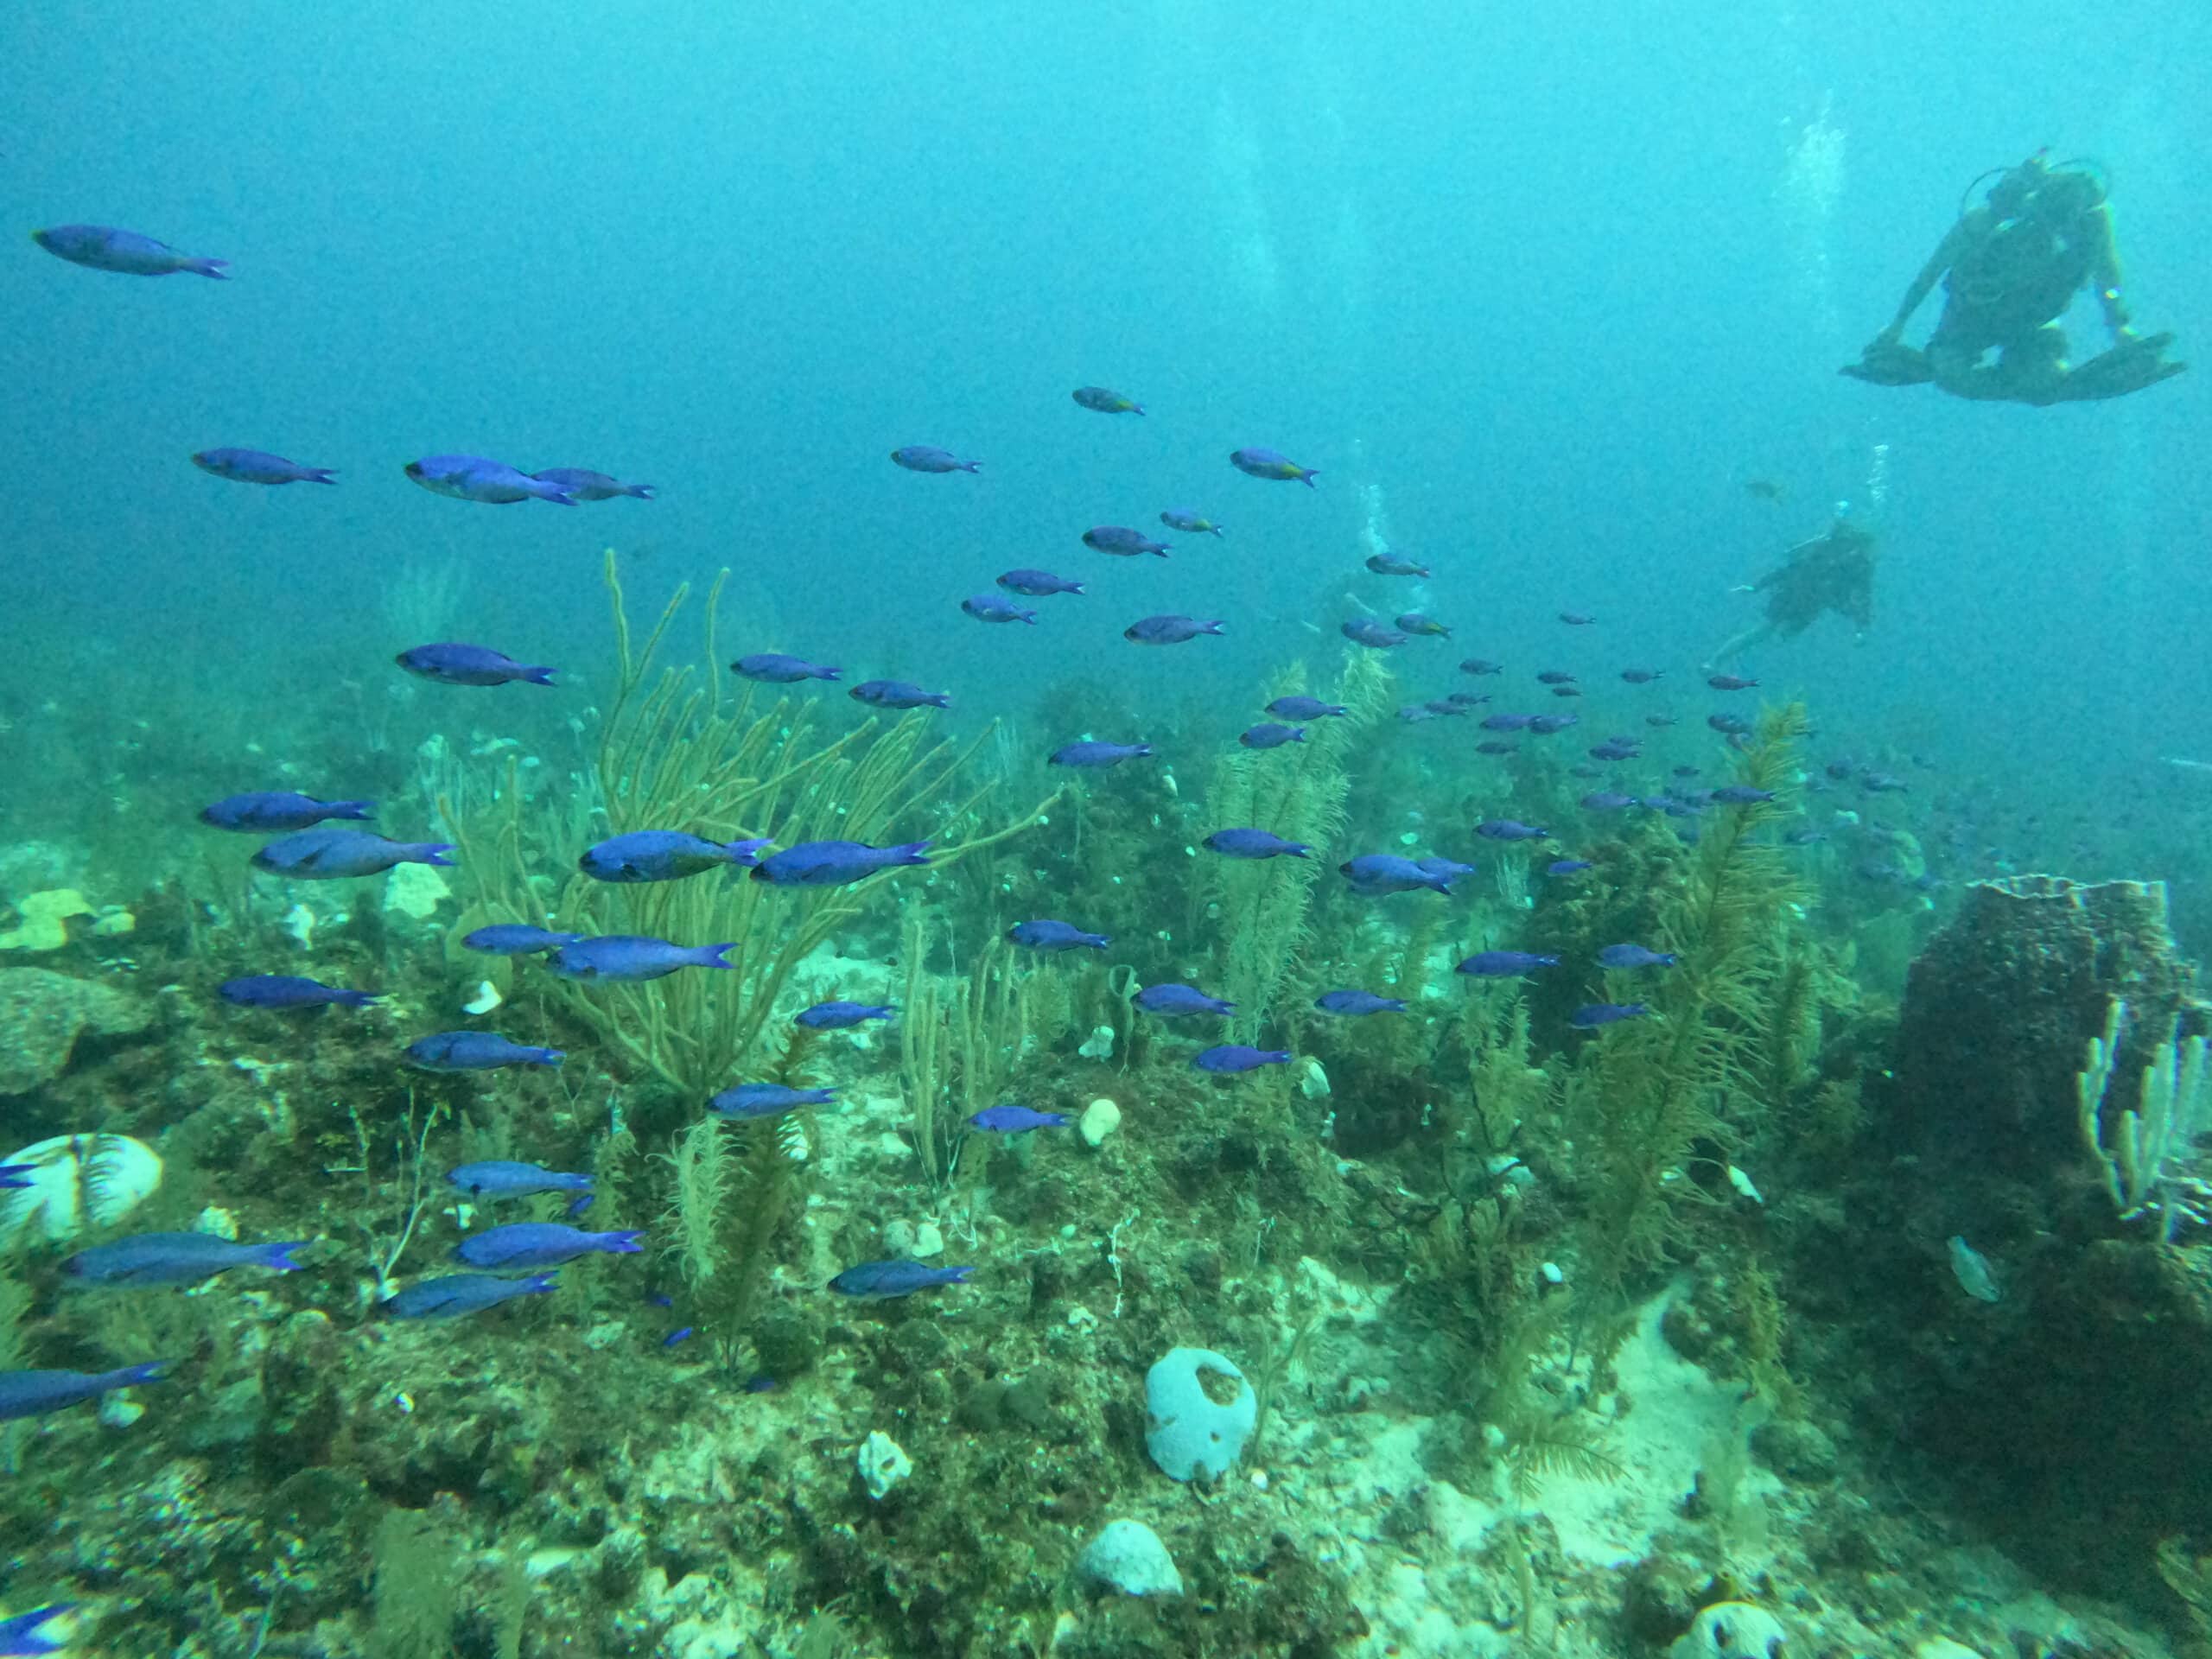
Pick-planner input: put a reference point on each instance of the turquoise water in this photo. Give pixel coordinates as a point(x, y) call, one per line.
point(1558, 1328)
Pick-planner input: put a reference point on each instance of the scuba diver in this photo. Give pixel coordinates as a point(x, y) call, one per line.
point(1833, 571)
point(2010, 267)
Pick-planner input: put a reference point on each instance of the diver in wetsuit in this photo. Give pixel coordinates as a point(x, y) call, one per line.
point(1833, 571)
point(2010, 267)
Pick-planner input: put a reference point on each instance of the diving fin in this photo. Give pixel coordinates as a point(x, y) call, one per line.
point(2132, 365)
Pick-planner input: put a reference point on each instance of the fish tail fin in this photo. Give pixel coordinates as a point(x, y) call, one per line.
point(1307, 477)
point(358, 999)
point(549, 1058)
point(1160, 552)
point(215, 268)
point(1212, 627)
point(971, 466)
point(911, 852)
point(957, 1275)
point(352, 809)
point(433, 852)
point(642, 492)
point(711, 956)
point(538, 1283)
point(553, 492)
point(154, 1370)
point(318, 475)
point(541, 676)
point(1075, 587)
point(1030, 617)
point(1218, 530)
point(279, 1256)
point(622, 1244)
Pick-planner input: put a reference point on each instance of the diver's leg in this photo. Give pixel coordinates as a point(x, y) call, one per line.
point(1757, 634)
point(2031, 368)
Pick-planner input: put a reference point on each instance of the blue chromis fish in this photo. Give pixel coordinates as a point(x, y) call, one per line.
point(539, 1244)
point(258, 467)
point(1372, 875)
point(1167, 630)
point(928, 458)
point(476, 1051)
point(1395, 564)
point(1480, 665)
point(33, 1394)
point(1180, 1001)
point(759, 1100)
point(1635, 955)
point(1192, 523)
point(1300, 707)
point(473, 478)
point(1094, 754)
point(989, 607)
point(22, 1634)
point(836, 863)
point(1106, 402)
point(333, 855)
point(1741, 795)
point(780, 668)
point(175, 1259)
point(1355, 1003)
point(1122, 541)
point(279, 809)
point(631, 959)
point(588, 485)
point(1016, 1120)
point(1510, 830)
point(1226, 1060)
point(1254, 462)
point(289, 991)
point(1036, 584)
point(1269, 736)
point(1568, 867)
point(898, 694)
point(455, 664)
point(126, 253)
point(1591, 1015)
point(1504, 965)
point(1254, 843)
point(879, 1281)
point(456, 1293)
point(498, 1178)
point(1045, 934)
point(841, 1016)
point(664, 855)
point(1366, 631)
point(515, 939)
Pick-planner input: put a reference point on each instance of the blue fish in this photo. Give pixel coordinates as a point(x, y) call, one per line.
point(1353, 1003)
point(588, 485)
point(279, 809)
point(333, 855)
point(1741, 795)
point(455, 664)
point(681, 1333)
point(1635, 955)
point(1366, 631)
point(1606, 800)
point(1191, 524)
point(1094, 754)
point(1545, 725)
point(1510, 830)
point(176, 1259)
point(1122, 541)
point(1504, 965)
point(878, 1281)
point(1167, 630)
point(258, 467)
point(1432, 865)
point(540, 1245)
point(664, 855)
point(1300, 707)
point(1036, 584)
point(473, 478)
point(630, 959)
point(928, 458)
point(498, 1178)
point(989, 607)
point(515, 939)
point(1016, 1120)
point(1106, 402)
point(1180, 1001)
point(289, 991)
point(21, 1635)
point(17, 1175)
point(1416, 622)
point(780, 668)
point(1479, 665)
point(1372, 875)
point(1591, 1015)
point(456, 1293)
point(1394, 564)
point(1228, 1058)
point(476, 1051)
point(760, 1100)
point(1267, 736)
point(126, 253)
point(1727, 725)
point(33, 1394)
point(1641, 675)
point(1047, 935)
point(841, 1016)
point(899, 693)
point(1568, 867)
point(836, 863)
point(1254, 843)
point(1255, 463)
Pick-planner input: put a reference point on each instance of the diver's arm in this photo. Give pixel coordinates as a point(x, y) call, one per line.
point(2104, 274)
point(1947, 252)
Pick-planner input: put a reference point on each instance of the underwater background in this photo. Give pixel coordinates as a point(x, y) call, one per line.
point(1845, 1268)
